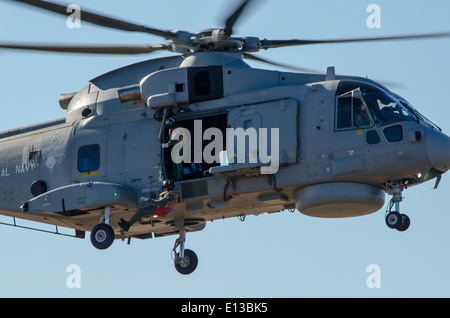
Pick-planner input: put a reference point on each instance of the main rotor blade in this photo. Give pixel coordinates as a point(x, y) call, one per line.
point(228, 30)
point(97, 19)
point(267, 44)
point(301, 69)
point(94, 49)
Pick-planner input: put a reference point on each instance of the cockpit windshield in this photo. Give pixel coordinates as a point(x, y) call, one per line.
point(419, 115)
point(387, 109)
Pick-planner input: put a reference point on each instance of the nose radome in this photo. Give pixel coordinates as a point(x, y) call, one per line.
point(438, 150)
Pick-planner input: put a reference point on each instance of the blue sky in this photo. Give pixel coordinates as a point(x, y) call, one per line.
point(278, 255)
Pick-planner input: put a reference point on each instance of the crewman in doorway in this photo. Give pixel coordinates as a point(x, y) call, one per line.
point(176, 136)
point(159, 207)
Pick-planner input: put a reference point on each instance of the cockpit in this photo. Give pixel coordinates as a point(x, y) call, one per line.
point(362, 105)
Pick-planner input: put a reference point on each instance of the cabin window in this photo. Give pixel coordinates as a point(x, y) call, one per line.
point(247, 124)
point(88, 158)
point(352, 112)
point(34, 155)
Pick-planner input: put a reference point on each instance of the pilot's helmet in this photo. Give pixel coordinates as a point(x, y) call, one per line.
point(168, 184)
point(170, 122)
point(177, 133)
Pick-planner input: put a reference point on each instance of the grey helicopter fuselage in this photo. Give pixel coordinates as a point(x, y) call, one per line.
point(107, 151)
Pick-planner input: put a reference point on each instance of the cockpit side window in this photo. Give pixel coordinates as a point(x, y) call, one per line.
point(344, 113)
point(351, 112)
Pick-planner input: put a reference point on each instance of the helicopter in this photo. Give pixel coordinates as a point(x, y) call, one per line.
point(337, 144)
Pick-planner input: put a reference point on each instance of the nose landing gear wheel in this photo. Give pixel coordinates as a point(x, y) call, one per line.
point(404, 225)
point(187, 264)
point(393, 220)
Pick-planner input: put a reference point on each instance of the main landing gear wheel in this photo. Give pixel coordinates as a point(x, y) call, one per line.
point(187, 264)
point(102, 236)
point(185, 260)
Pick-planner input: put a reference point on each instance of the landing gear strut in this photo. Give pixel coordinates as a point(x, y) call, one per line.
point(185, 260)
point(394, 219)
point(102, 235)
